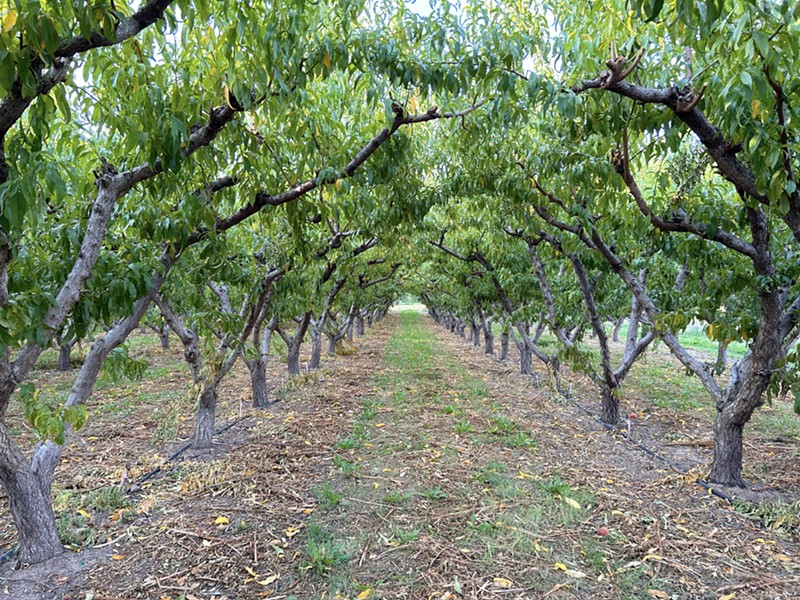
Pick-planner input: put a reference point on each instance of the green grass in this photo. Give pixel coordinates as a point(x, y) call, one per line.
point(323, 552)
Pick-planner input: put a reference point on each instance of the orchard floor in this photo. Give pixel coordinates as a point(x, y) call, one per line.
point(416, 468)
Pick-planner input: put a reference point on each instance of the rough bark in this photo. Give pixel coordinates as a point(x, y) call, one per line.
point(488, 338)
point(258, 379)
point(331, 343)
point(360, 325)
point(64, 353)
point(30, 504)
point(206, 416)
point(316, 349)
point(504, 345)
point(609, 410)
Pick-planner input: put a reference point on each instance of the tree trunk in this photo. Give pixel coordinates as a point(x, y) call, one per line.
point(331, 343)
point(504, 345)
point(728, 450)
point(206, 414)
point(258, 379)
point(525, 360)
point(617, 326)
point(316, 350)
point(722, 358)
point(64, 352)
point(609, 412)
point(293, 359)
point(359, 325)
point(30, 505)
point(164, 335)
point(474, 334)
point(488, 338)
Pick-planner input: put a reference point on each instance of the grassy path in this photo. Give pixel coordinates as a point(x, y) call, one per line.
point(437, 490)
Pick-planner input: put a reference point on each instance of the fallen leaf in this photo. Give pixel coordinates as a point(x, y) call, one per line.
point(502, 582)
point(83, 513)
point(561, 566)
point(118, 557)
point(652, 557)
point(249, 570)
point(269, 580)
point(730, 596)
point(221, 521)
point(575, 574)
point(292, 531)
point(782, 557)
point(573, 503)
point(364, 594)
point(380, 424)
point(658, 594)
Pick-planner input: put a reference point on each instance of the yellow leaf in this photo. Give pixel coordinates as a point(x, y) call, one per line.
point(730, 596)
point(326, 60)
point(573, 503)
point(755, 108)
point(226, 93)
point(561, 566)
point(539, 548)
point(522, 475)
point(502, 582)
point(652, 557)
point(380, 424)
point(249, 570)
point(658, 594)
point(365, 594)
point(782, 557)
point(338, 185)
point(221, 521)
point(118, 557)
point(292, 531)
point(83, 513)
point(9, 20)
point(270, 579)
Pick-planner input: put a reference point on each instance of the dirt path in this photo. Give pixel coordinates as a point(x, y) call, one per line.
point(420, 468)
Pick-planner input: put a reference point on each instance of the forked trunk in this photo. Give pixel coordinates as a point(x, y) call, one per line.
point(30, 505)
point(206, 414)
